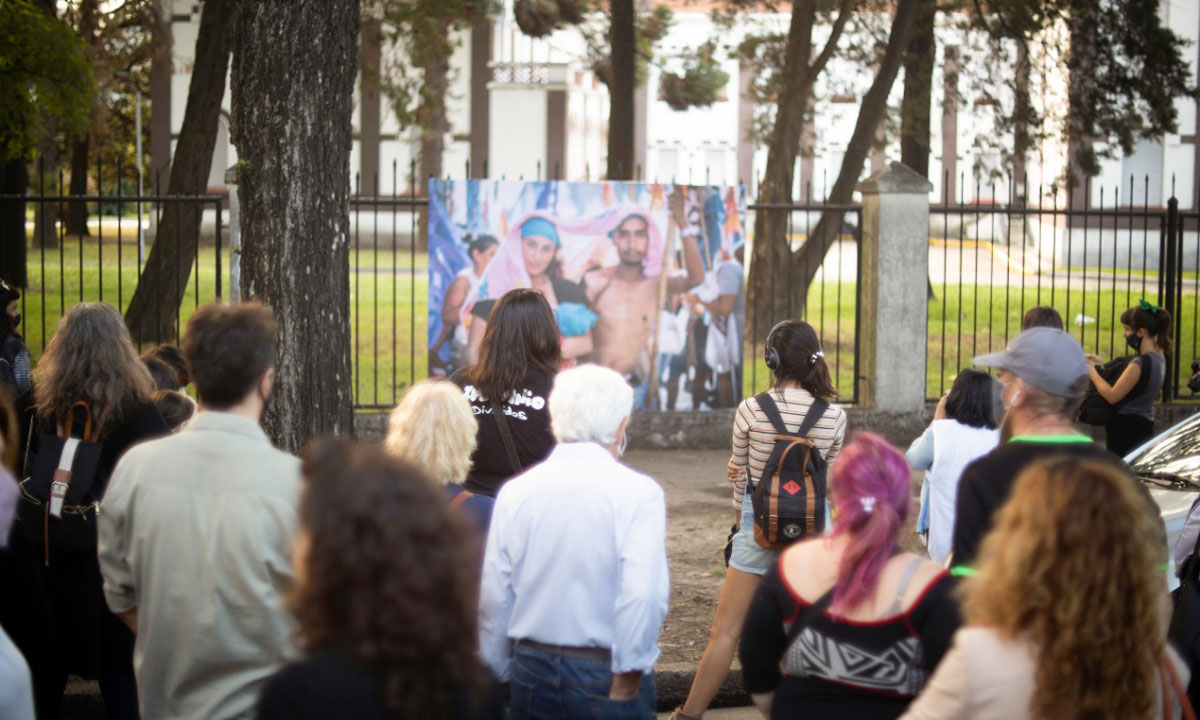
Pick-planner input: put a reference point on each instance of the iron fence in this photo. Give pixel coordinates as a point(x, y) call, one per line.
point(833, 297)
point(990, 263)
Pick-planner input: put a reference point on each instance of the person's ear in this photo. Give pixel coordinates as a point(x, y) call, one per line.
point(266, 383)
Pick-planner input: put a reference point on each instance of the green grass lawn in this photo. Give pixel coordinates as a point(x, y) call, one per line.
point(388, 314)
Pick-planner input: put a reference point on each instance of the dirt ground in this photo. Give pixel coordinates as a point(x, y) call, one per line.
point(699, 514)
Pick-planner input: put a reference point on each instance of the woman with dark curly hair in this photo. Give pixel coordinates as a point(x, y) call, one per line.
point(387, 632)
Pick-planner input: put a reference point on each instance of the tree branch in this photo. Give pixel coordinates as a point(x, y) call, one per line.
point(844, 10)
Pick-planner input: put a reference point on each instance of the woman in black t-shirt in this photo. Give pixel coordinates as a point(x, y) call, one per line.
point(855, 624)
point(1148, 333)
point(517, 361)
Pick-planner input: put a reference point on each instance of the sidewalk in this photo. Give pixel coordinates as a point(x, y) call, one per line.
point(740, 713)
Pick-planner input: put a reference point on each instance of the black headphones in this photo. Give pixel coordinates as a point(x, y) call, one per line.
point(770, 354)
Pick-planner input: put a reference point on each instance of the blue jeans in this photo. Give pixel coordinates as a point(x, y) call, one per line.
point(549, 686)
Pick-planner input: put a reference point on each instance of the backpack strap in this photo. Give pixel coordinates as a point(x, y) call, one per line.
point(510, 447)
point(767, 404)
point(815, 412)
point(461, 498)
point(905, 579)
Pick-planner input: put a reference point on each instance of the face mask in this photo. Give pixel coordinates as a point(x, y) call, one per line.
point(8, 504)
point(16, 320)
point(1134, 342)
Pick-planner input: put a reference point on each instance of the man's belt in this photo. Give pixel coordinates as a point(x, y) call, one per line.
point(583, 653)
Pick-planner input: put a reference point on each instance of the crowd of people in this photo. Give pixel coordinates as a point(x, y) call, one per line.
point(495, 557)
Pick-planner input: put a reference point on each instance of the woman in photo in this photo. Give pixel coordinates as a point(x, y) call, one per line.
point(530, 258)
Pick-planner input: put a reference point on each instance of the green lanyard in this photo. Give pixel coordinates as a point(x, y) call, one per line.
point(1076, 439)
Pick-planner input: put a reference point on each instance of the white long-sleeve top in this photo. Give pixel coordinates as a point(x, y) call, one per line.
point(576, 556)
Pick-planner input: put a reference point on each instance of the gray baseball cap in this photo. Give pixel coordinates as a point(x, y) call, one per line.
point(1048, 359)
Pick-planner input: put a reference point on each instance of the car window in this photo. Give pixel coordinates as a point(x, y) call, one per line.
point(1177, 452)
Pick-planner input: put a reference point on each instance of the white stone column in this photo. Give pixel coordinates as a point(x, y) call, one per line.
point(894, 312)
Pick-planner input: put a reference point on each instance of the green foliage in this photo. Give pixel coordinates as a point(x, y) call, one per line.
point(43, 71)
point(423, 33)
point(699, 85)
point(1127, 70)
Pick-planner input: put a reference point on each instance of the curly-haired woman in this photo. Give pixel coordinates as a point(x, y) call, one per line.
point(89, 359)
point(1066, 615)
point(384, 596)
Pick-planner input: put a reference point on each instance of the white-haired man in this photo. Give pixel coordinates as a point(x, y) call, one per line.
point(575, 585)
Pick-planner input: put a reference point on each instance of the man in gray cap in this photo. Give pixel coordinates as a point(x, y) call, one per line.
point(1043, 375)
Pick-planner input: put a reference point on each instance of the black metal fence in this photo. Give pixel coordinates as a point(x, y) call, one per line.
point(991, 262)
point(833, 296)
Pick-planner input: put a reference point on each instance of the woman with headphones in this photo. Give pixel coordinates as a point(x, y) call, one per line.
point(793, 354)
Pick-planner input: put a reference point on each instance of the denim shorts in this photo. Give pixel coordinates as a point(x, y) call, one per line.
point(748, 556)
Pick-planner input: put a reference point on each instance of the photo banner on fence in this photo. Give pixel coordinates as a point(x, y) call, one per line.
point(644, 278)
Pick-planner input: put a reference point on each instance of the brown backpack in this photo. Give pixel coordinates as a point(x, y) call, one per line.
point(789, 497)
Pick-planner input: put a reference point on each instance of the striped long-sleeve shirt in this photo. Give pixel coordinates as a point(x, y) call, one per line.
point(754, 436)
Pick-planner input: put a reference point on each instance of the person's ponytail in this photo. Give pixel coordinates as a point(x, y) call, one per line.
point(1162, 332)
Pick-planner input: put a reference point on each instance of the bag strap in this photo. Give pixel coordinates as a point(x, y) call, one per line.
point(767, 404)
point(815, 412)
point(506, 437)
point(87, 422)
point(461, 498)
point(1171, 683)
point(810, 613)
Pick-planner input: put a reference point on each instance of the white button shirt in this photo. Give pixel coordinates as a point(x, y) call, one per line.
point(576, 555)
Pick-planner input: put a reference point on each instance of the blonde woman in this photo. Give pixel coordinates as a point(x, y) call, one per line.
point(434, 428)
point(1066, 615)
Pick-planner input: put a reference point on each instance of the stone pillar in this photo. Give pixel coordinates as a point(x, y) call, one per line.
point(895, 256)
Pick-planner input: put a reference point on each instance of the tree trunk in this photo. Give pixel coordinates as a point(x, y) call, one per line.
point(155, 303)
point(292, 91)
point(622, 34)
point(14, 180)
point(807, 261)
point(768, 305)
point(918, 86)
point(1022, 111)
point(77, 213)
point(431, 119)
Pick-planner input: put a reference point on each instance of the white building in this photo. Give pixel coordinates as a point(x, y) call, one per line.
point(525, 108)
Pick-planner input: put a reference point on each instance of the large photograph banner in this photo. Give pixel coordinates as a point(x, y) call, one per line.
point(644, 278)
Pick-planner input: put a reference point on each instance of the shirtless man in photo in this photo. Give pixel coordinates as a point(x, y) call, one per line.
point(626, 301)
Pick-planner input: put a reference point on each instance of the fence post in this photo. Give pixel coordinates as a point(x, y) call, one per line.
point(894, 310)
point(1170, 283)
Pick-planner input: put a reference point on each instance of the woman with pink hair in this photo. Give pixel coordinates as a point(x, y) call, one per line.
point(856, 625)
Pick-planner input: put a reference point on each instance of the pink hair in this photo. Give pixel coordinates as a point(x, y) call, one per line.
point(870, 486)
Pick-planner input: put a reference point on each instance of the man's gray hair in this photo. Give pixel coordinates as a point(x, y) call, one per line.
point(588, 404)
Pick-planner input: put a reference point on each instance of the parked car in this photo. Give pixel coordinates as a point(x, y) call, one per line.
point(1169, 465)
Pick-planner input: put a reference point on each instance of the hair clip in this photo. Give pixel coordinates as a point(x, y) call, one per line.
point(868, 504)
point(818, 354)
point(1148, 307)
